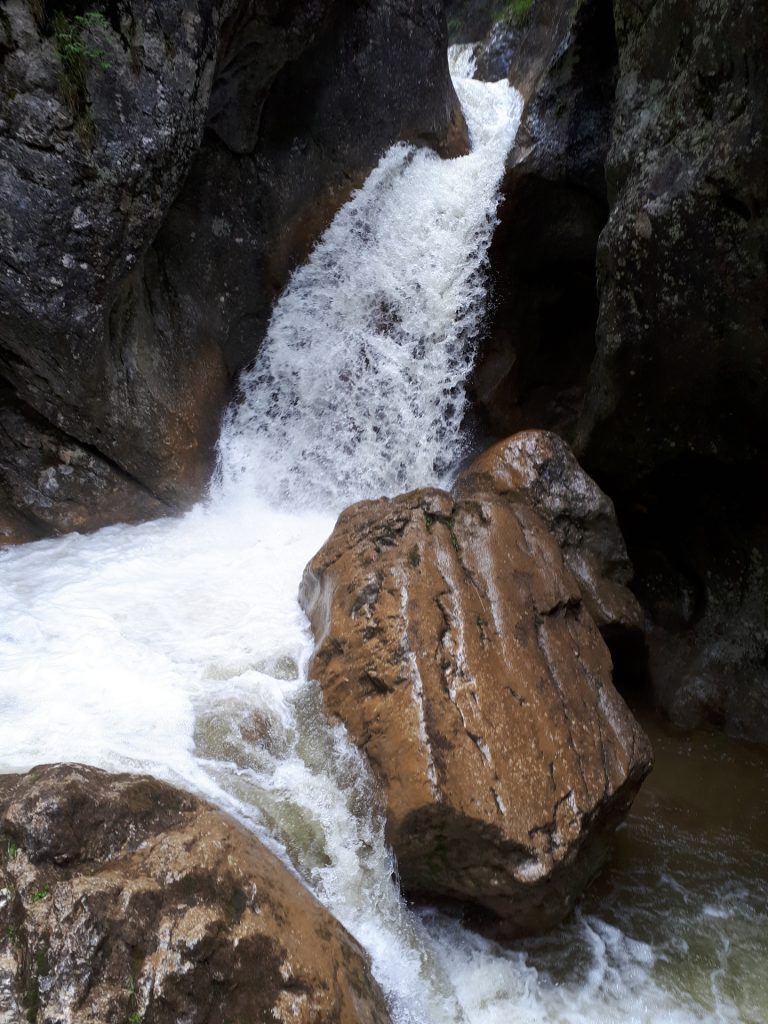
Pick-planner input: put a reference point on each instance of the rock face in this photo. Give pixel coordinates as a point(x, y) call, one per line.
point(538, 469)
point(682, 361)
point(471, 20)
point(676, 409)
point(124, 899)
point(161, 169)
point(701, 559)
point(454, 644)
point(533, 364)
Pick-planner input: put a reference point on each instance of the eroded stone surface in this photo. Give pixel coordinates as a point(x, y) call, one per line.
point(676, 410)
point(123, 898)
point(537, 468)
point(454, 644)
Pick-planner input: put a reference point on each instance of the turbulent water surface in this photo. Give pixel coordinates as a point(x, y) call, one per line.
point(178, 647)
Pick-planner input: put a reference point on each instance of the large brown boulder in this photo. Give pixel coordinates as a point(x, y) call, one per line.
point(538, 469)
point(454, 644)
point(162, 169)
point(123, 899)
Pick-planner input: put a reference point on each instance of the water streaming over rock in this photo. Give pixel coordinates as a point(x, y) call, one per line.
point(177, 647)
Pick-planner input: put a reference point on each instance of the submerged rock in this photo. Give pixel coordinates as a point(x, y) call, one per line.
point(454, 644)
point(124, 899)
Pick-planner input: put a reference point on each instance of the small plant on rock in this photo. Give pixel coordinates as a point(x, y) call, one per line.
point(517, 11)
point(135, 1016)
point(77, 55)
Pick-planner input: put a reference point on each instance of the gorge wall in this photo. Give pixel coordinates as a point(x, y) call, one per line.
point(631, 309)
point(162, 169)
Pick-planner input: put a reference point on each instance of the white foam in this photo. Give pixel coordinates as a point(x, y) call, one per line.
point(358, 389)
point(462, 60)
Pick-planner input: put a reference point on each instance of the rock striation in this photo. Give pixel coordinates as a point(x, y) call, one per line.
point(453, 642)
point(122, 899)
point(537, 468)
point(162, 168)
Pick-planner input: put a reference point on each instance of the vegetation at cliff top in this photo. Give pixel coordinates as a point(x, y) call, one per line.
point(514, 12)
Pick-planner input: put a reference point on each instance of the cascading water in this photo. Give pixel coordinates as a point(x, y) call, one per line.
point(358, 388)
point(178, 647)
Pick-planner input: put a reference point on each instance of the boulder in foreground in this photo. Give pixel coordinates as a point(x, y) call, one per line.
point(123, 899)
point(454, 644)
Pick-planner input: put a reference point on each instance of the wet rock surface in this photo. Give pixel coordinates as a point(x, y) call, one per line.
point(674, 419)
point(538, 469)
point(156, 191)
point(682, 362)
point(122, 898)
point(701, 559)
point(539, 344)
point(454, 644)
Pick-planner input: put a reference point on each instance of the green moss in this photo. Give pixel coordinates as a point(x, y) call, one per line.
point(77, 56)
point(32, 995)
point(134, 1016)
point(40, 895)
point(482, 17)
point(516, 11)
point(455, 25)
point(32, 999)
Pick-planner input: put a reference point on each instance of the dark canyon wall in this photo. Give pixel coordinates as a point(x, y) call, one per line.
point(630, 273)
point(162, 168)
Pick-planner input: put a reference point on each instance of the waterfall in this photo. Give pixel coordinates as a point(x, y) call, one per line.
point(358, 389)
point(147, 648)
